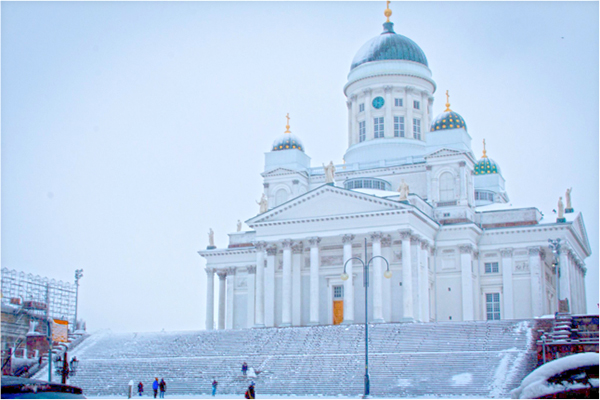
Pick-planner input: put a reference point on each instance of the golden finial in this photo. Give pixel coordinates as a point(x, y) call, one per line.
point(387, 12)
point(287, 127)
point(484, 154)
point(447, 102)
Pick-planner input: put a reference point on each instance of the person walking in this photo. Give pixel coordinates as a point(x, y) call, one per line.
point(163, 388)
point(250, 392)
point(214, 387)
point(155, 386)
point(244, 368)
point(140, 388)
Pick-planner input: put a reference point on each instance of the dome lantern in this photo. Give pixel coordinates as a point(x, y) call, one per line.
point(287, 141)
point(448, 119)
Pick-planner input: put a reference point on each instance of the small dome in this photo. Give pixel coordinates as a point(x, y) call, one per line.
point(448, 120)
point(486, 166)
point(389, 46)
point(287, 141)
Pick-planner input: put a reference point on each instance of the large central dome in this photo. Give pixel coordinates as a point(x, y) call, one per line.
point(389, 46)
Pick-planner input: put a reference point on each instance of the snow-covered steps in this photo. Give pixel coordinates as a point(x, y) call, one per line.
point(451, 359)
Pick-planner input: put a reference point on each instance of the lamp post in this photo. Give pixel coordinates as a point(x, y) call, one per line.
point(78, 275)
point(387, 274)
point(555, 246)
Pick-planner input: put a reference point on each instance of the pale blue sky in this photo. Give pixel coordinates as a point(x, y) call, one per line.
point(129, 129)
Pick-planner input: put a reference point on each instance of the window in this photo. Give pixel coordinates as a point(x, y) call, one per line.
point(446, 187)
point(417, 128)
point(416, 104)
point(491, 268)
point(378, 127)
point(338, 292)
point(484, 196)
point(281, 196)
point(492, 306)
point(368, 183)
point(398, 102)
point(362, 132)
point(361, 107)
point(398, 126)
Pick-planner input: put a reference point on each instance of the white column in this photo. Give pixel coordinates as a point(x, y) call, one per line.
point(210, 298)
point(407, 296)
point(389, 119)
point(507, 283)
point(259, 313)
point(251, 297)
point(297, 284)
point(386, 252)
point(415, 242)
point(377, 278)
point(466, 277)
point(353, 123)
point(424, 282)
point(286, 292)
point(230, 298)
point(221, 322)
point(349, 283)
point(535, 271)
point(369, 132)
point(432, 296)
point(350, 114)
point(270, 287)
point(408, 105)
point(565, 278)
point(314, 280)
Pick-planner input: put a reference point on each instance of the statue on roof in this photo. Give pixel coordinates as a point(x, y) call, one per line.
point(569, 208)
point(239, 226)
point(211, 237)
point(329, 172)
point(561, 209)
point(403, 190)
point(263, 204)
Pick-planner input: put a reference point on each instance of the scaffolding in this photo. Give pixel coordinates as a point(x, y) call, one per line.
point(39, 295)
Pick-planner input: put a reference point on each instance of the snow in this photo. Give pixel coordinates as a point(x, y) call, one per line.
point(462, 379)
point(535, 384)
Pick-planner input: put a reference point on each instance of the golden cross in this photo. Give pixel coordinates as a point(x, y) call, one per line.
point(288, 123)
point(447, 102)
point(484, 153)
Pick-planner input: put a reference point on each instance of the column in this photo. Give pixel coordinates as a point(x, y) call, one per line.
point(349, 283)
point(535, 271)
point(221, 322)
point(507, 283)
point(270, 287)
point(369, 133)
point(353, 123)
point(286, 292)
point(424, 282)
point(564, 277)
point(415, 242)
point(463, 199)
point(407, 300)
point(297, 283)
point(377, 278)
point(432, 294)
point(230, 300)
point(314, 280)
point(466, 276)
point(386, 252)
point(389, 119)
point(350, 115)
point(251, 297)
point(408, 105)
point(259, 313)
point(210, 298)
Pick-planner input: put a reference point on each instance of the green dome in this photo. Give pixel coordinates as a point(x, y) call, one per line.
point(287, 141)
point(389, 46)
point(448, 120)
point(486, 166)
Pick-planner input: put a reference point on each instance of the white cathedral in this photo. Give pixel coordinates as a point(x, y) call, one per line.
point(410, 191)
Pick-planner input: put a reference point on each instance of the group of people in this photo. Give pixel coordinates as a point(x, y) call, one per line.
point(156, 386)
point(249, 392)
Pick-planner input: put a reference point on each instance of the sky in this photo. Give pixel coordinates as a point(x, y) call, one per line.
point(131, 128)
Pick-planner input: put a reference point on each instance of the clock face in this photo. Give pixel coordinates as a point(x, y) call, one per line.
point(378, 102)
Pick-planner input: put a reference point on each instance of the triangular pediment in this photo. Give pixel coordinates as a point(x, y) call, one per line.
point(281, 171)
point(580, 231)
point(444, 153)
point(328, 201)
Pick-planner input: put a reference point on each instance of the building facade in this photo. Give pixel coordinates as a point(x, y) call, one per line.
point(410, 190)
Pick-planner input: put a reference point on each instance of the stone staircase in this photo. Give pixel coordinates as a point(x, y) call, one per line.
point(444, 359)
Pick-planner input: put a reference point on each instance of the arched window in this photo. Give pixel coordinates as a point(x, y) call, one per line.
point(281, 196)
point(447, 187)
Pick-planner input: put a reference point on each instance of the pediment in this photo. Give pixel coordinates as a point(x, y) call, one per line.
point(444, 153)
point(580, 231)
point(328, 201)
point(281, 171)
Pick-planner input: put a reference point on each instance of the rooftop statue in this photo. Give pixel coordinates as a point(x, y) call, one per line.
point(561, 208)
point(263, 203)
point(239, 226)
point(329, 172)
point(403, 190)
point(569, 208)
point(211, 237)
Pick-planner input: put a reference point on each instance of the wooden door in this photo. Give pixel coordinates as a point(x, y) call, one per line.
point(338, 312)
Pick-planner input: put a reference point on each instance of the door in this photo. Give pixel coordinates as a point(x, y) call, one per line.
point(338, 304)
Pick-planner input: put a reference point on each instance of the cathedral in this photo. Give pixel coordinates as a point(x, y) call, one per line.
point(412, 219)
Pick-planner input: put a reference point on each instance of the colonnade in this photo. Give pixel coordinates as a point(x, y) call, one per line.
point(260, 310)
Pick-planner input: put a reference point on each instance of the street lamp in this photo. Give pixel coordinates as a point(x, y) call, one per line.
point(78, 275)
point(555, 246)
point(387, 274)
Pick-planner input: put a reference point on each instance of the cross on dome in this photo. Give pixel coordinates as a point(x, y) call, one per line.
point(387, 12)
point(447, 102)
point(287, 127)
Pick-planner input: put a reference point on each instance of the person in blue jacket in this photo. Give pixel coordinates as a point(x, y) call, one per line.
point(155, 386)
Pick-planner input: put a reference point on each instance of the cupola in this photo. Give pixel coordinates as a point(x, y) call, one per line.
point(486, 165)
point(448, 119)
point(287, 141)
